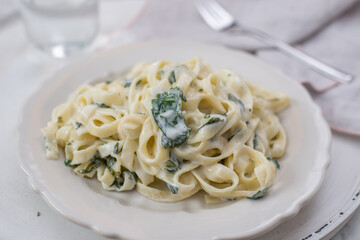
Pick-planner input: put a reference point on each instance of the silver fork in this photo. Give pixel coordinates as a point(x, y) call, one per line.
point(220, 20)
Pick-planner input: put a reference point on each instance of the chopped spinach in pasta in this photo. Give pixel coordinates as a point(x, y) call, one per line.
point(166, 110)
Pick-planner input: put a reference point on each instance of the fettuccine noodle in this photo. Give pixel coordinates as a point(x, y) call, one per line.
point(170, 130)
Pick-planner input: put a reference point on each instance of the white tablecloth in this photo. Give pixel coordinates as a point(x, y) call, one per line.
point(23, 213)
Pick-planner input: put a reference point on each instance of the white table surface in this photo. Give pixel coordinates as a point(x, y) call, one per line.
point(22, 70)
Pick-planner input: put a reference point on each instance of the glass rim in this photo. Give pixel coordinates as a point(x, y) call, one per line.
point(31, 4)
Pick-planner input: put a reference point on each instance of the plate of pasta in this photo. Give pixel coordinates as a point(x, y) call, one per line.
point(147, 140)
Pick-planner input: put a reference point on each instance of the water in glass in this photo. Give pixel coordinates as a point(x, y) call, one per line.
point(60, 27)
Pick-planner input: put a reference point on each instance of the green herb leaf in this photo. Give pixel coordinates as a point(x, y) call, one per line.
point(102, 105)
point(255, 141)
point(117, 150)
point(173, 190)
point(207, 115)
point(259, 194)
point(128, 82)
point(133, 175)
point(173, 164)
point(166, 110)
point(120, 178)
point(170, 167)
point(77, 125)
point(172, 78)
point(277, 164)
point(110, 161)
point(238, 101)
point(95, 162)
point(212, 121)
point(166, 142)
point(161, 73)
point(201, 90)
point(92, 166)
point(234, 133)
point(59, 119)
point(67, 163)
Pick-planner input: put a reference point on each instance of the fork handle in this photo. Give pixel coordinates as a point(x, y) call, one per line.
point(309, 61)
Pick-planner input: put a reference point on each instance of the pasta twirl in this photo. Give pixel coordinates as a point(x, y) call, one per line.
point(170, 130)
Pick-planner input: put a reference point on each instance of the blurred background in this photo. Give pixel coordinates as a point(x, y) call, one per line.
point(38, 37)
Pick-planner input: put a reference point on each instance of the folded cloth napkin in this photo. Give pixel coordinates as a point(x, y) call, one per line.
point(328, 29)
point(289, 20)
point(339, 45)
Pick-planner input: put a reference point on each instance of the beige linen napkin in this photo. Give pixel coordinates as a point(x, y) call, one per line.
point(338, 44)
point(289, 20)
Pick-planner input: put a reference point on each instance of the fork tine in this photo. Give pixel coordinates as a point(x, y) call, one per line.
point(219, 19)
point(214, 15)
point(205, 14)
point(220, 11)
point(211, 10)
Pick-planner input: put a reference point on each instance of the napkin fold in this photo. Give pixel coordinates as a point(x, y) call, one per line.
point(327, 29)
point(338, 44)
point(289, 20)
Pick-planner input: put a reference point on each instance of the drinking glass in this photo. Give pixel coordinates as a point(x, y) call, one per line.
point(60, 27)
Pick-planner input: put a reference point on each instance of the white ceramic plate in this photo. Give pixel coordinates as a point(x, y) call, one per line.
point(130, 215)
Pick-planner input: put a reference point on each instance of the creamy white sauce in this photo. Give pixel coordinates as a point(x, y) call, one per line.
point(107, 148)
point(176, 131)
point(169, 114)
